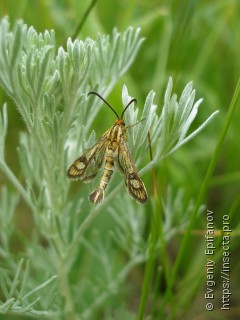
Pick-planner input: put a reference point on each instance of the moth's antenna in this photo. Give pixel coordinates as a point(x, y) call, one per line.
point(130, 102)
point(97, 94)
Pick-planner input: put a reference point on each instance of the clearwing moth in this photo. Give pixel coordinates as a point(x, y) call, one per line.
point(111, 149)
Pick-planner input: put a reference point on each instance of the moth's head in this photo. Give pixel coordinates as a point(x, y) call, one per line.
point(120, 122)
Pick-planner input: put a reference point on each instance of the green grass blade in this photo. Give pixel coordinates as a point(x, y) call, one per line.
point(202, 193)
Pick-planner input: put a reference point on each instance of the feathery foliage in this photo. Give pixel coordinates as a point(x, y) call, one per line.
point(49, 86)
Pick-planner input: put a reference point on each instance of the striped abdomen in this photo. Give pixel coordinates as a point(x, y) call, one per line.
point(97, 195)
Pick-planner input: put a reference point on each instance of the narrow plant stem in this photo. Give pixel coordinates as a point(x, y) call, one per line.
point(72, 247)
point(150, 262)
point(157, 235)
point(155, 226)
point(15, 182)
point(156, 289)
point(164, 261)
point(84, 18)
point(65, 290)
point(87, 222)
point(147, 281)
point(154, 184)
point(202, 192)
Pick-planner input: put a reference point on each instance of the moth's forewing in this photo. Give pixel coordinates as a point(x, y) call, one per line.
point(86, 167)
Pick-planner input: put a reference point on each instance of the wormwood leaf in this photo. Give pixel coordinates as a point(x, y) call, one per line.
point(19, 299)
point(8, 204)
point(24, 282)
point(3, 130)
point(44, 63)
point(148, 114)
point(113, 56)
point(189, 119)
point(38, 288)
point(15, 48)
point(116, 48)
point(7, 305)
point(4, 287)
point(194, 133)
point(130, 46)
point(169, 130)
point(15, 281)
point(4, 60)
point(131, 112)
point(176, 212)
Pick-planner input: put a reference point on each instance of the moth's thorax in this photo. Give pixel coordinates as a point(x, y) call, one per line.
point(117, 132)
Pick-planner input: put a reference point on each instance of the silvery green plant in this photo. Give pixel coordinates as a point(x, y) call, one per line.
point(49, 87)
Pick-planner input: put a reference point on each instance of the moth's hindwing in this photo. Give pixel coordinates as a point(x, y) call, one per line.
point(133, 182)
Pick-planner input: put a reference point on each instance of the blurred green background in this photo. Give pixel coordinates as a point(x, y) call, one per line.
point(189, 40)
